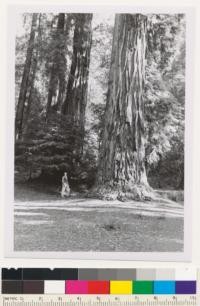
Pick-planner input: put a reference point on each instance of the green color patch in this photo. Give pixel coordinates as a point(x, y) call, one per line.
point(142, 287)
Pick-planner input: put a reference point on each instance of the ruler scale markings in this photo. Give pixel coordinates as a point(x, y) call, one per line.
point(51, 300)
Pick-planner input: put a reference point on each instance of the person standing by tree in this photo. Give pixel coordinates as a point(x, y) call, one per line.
point(65, 186)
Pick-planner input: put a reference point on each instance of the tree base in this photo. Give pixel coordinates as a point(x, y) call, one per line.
point(138, 192)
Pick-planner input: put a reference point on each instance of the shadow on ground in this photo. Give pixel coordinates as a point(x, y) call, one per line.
point(52, 224)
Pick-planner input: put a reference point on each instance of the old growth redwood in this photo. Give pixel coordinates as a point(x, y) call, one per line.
point(122, 156)
point(76, 94)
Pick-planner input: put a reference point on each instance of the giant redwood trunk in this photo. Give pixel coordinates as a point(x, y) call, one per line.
point(122, 154)
point(25, 80)
point(76, 95)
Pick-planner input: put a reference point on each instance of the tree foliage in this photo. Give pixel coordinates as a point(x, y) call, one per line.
point(165, 99)
point(47, 148)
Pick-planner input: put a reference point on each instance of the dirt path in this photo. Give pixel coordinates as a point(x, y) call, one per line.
point(90, 224)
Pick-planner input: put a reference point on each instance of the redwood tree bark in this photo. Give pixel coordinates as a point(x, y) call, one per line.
point(122, 154)
point(58, 63)
point(62, 72)
point(76, 95)
point(25, 80)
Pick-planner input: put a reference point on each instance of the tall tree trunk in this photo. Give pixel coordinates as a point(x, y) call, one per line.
point(32, 76)
point(76, 96)
point(31, 91)
point(61, 75)
point(58, 61)
point(25, 80)
point(122, 154)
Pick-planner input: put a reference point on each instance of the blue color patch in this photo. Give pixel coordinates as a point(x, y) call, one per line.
point(164, 287)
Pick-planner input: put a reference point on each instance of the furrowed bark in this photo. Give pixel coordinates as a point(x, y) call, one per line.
point(61, 76)
point(76, 95)
point(122, 154)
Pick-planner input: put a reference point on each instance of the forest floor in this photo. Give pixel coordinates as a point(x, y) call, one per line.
point(49, 223)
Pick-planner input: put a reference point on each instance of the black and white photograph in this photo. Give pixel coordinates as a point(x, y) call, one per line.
point(99, 132)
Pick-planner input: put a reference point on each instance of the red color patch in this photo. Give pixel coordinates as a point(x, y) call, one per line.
point(98, 287)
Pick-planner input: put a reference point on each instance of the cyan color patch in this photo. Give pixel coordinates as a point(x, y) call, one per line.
point(164, 287)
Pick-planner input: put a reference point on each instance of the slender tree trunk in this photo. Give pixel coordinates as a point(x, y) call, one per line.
point(58, 61)
point(30, 97)
point(76, 96)
point(34, 67)
point(25, 80)
point(61, 91)
point(122, 155)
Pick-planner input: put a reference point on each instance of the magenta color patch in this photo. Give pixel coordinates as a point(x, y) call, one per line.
point(76, 287)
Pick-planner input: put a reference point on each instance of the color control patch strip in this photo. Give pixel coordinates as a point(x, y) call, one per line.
point(98, 281)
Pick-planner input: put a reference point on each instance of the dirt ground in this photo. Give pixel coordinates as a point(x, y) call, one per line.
point(79, 224)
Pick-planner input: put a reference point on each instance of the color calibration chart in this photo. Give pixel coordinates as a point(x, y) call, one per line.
point(103, 287)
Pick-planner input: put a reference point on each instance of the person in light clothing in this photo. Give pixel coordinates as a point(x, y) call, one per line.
point(65, 192)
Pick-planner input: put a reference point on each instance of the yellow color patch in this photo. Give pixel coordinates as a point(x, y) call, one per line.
point(120, 287)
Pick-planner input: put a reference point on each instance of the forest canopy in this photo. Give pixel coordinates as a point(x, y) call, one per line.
point(101, 97)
